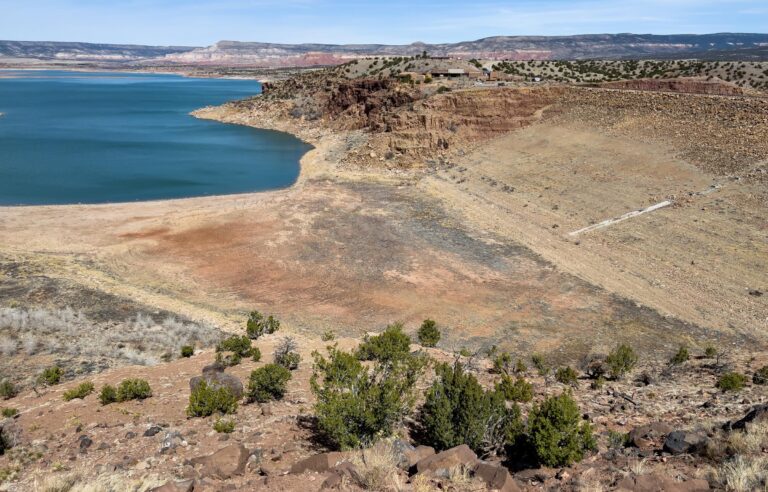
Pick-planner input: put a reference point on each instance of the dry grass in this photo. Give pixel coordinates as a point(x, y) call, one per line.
point(64, 331)
point(753, 441)
point(76, 482)
point(742, 474)
point(377, 467)
point(421, 483)
point(638, 467)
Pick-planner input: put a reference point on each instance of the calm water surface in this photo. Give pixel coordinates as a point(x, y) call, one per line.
point(75, 137)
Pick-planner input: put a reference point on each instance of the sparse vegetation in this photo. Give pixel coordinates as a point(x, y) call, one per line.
point(207, 400)
point(328, 336)
point(557, 432)
point(79, 392)
point(518, 390)
point(428, 333)
point(255, 354)
point(566, 375)
point(259, 325)
point(621, 361)
point(731, 381)
point(502, 363)
point(224, 426)
point(268, 383)
point(680, 357)
point(133, 389)
point(710, 352)
point(187, 351)
point(108, 394)
point(7, 390)
point(540, 364)
point(286, 355)
point(50, 376)
point(760, 376)
point(357, 405)
point(10, 412)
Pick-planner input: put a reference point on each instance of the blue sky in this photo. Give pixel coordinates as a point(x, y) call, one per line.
point(203, 22)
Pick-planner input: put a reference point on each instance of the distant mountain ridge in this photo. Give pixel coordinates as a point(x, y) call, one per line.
point(55, 50)
point(602, 46)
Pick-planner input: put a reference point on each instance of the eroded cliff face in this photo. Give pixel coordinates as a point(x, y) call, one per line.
point(407, 124)
point(446, 121)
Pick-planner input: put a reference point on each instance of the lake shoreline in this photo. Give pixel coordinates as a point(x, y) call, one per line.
point(158, 153)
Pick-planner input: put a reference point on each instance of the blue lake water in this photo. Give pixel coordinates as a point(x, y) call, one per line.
point(76, 137)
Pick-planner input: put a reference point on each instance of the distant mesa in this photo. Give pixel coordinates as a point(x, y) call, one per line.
point(720, 46)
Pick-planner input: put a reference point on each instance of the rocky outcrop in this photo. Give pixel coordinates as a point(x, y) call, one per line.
point(215, 376)
point(224, 463)
point(690, 85)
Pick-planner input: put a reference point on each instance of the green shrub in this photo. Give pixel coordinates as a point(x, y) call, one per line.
point(328, 336)
point(268, 383)
point(519, 390)
point(731, 381)
point(80, 391)
point(710, 352)
point(566, 375)
point(520, 367)
point(458, 411)
point(428, 333)
point(235, 344)
point(108, 394)
point(357, 404)
point(187, 351)
point(255, 354)
point(502, 363)
point(618, 440)
point(50, 376)
point(8, 390)
point(680, 357)
point(228, 359)
point(286, 355)
point(621, 361)
point(257, 325)
point(390, 345)
point(761, 376)
point(133, 389)
point(442, 89)
point(224, 426)
point(206, 400)
point(10, 412)
point(597, 383)
point(464, 352)
point(557, 433)
point(540, 364)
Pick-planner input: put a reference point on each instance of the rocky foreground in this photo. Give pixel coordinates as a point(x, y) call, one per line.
point(666, 426)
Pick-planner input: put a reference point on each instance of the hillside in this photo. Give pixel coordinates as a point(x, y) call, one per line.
point(63, 51)
point(731, 46)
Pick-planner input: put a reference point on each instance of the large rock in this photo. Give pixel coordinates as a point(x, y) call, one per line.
point(758, 413)
point(171, 486)
point(439, 464)
point(650, 435)
point(417, 454)
point(215, 376)
point(496, 477)
point(680, 442)
point(224, 463)
point(319, 463)
point(660, 483)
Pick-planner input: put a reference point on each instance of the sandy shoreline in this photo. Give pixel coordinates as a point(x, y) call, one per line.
point(357, 248)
